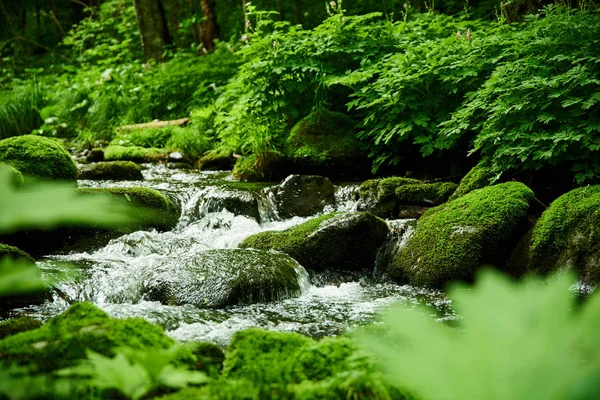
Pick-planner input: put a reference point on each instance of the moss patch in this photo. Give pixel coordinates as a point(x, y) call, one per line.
point(16, 178)
point(38, 157)
point(378, 196)
point(156, 210)
point(452, 240)
point(478, 177)
point(18, 325)
point(567, 236)
point(134, 153)
point(113, 170)
point(216, 161)
point(64, 339)
point(425, 194)
point(14, 252)
point(258, 167)
point(341, 241)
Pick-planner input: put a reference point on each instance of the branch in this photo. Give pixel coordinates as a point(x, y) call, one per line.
point(25, 39)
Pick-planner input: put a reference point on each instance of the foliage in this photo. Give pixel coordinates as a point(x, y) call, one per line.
point(19, 109)
point(516, 341)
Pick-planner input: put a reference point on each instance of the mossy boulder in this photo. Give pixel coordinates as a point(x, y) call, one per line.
point(325, 143)
point(566, 237)
point(453, 240)
point(395, 197)
point(135, 153)
point(237, 202)
point(216, 161)
point(338, 241)
point(225, 277)
point(64, 339)
point(17, 325)
point(38, 157)
point(266, 166)
point(112, 170)
point(155, 210)
point(20, 260)
point(302, 195)
point(478, 177)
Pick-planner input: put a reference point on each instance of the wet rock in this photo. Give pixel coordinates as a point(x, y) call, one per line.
point(111, 170)
point(339, 241)
point(237, 202)
point(179, 165)
point(267, 166)
point(453, 240)
point(219, 278)
point(175, 156)
point(566, 237)
point(23, 261)
point(302, 195)
point(38, 157)
point(216, 161)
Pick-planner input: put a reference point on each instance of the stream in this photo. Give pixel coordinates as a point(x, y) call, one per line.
point(113, 276)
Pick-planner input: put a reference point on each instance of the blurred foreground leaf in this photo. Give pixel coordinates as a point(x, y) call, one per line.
point(516, 341)
point(18, 277)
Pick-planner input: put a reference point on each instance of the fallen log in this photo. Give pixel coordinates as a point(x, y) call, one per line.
point(154, 124)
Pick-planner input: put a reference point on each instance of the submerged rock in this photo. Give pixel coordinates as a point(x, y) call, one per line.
point(112, 170)
point(453, 240)
point(237, 202)
point(566, 237)
point(339, 241)
point(302, 195)
point(225, 277)
point(38, 157)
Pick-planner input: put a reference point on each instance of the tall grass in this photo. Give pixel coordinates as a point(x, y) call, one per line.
point(19, 109)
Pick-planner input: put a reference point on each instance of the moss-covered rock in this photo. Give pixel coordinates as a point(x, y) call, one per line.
point(21, 260)
point(224, 277)
point(155, 209)
point(237, 202)
point(452, 240)
point(135, 153)
point(566, 237)
point(425, 194)
point(17, 325)
point(266, 166)
point(325, 143)
point(339, 241)
point(378, 196)
point(64, 339)
point(38, 157)
point(112, 170)
point(216, 161)
point(95, 155)
point(302, 195)
point(478, 177)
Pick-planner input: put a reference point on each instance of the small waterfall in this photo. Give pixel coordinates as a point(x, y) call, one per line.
point(401, 231)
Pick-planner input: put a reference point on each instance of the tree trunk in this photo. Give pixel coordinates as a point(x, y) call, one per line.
point(209, 26)
point(154, 31)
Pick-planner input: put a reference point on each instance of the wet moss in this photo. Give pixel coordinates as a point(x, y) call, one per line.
point(378, 196)
point(258, 167)
point(216, 160)
point(155, 209)
point(134, 153)
point(38, 157)
point(18, 325)
point(478, 177)
point(567, 235)
point(112, 170)
point(207, 357)
point(425, 194)
point(452, 240)
point(15, 253)
point(64, 339)
point(338, 241)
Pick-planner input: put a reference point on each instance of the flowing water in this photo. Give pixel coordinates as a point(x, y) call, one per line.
point(114, 276)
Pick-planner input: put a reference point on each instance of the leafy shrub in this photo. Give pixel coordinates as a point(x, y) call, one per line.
point(19, 109)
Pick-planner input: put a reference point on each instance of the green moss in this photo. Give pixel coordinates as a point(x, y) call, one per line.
point(14, 252)
point(257, 167)
point(134, 153)
point(113, 170)
point(64, 339)
point(425, 193)
point(18, 325)
point(16, 177)
point(338, 241)
point(478, 177)
point(38, 157)
point(216, 160)
point(222, 389)
point(322, 137)
point(207, 357)
point(452, 240)
point(567, 235)
point(156, 210)
point(378, 196)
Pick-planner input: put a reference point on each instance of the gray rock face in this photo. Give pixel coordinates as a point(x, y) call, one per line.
point(237, 202)
point(302, 195)
point(225, 277)
point(111, 170)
